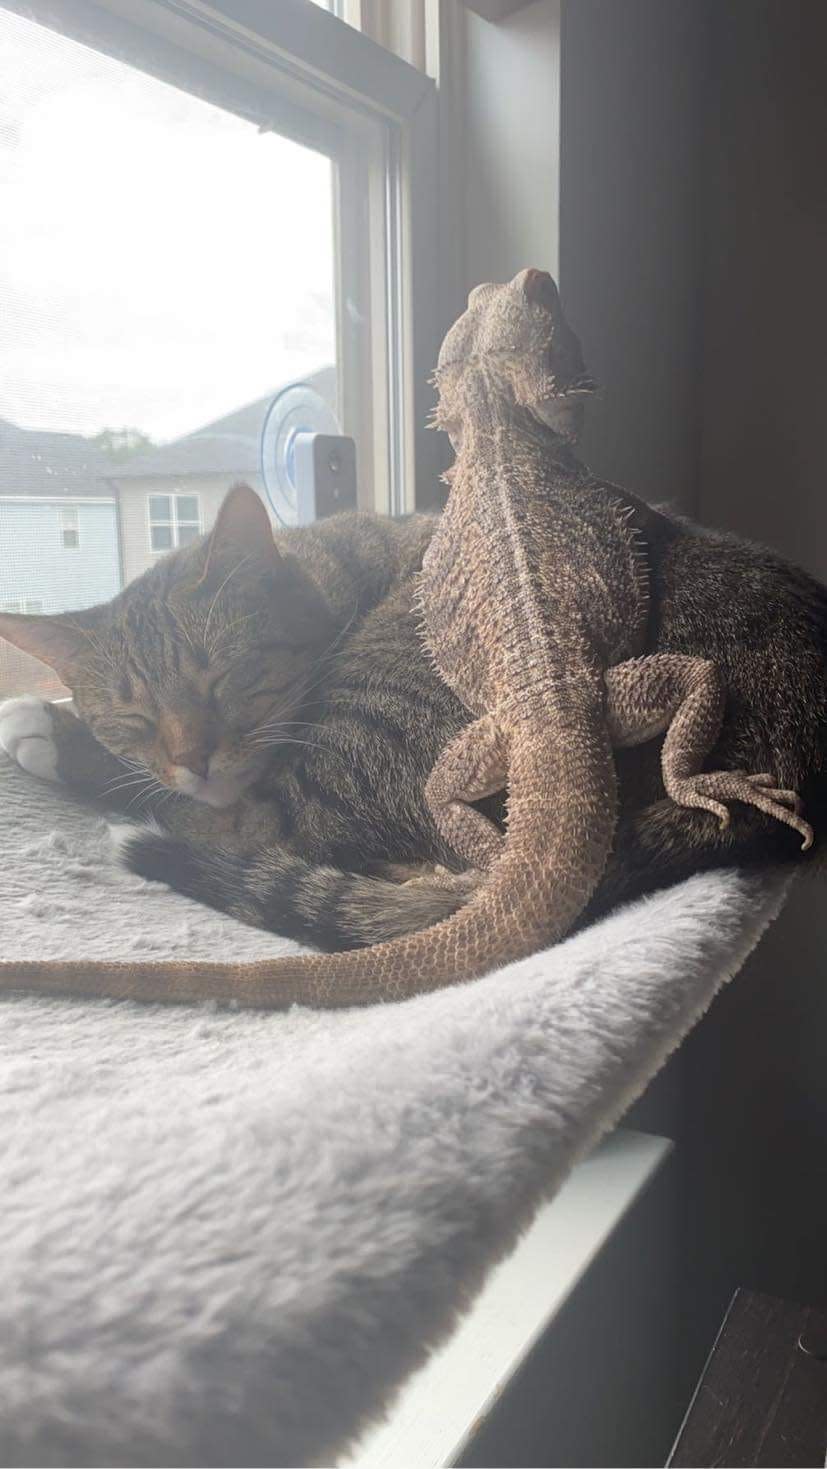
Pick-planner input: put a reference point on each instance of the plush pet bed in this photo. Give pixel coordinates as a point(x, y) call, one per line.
point(227, 1237)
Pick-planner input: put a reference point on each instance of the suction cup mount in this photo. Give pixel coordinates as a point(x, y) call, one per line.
point(297, 409)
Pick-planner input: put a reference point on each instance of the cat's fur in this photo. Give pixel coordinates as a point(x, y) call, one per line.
point(295, 681)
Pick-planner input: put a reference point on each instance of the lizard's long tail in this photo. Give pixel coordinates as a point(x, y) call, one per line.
point(562, 813)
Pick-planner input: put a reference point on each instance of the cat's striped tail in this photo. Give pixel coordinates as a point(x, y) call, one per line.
point(275, 889)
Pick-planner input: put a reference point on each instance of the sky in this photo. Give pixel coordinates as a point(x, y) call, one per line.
point(161, 262)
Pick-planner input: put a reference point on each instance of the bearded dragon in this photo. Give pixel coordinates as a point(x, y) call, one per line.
point(534, 604)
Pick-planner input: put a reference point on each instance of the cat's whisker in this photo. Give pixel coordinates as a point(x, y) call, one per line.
point(307, 684)
point(124, 785)
point(140, 796)
point(228, 577)
point(217, 645)
point(270, 743)
point(94, 643)
point(273, 744)
point(326, 656)
point(138, 765)
point(133, 773)
point(272, 726)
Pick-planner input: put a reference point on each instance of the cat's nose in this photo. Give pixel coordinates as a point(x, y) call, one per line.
point(198, 761)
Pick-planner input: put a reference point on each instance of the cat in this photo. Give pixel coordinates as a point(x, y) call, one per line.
point(268, 701)
point(271, 706)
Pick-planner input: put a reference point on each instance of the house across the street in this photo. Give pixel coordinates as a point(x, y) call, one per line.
point(58, 522)
point(169, 495)
point(59, 537)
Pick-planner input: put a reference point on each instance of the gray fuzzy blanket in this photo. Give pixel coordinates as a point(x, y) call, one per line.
point(227, 1237)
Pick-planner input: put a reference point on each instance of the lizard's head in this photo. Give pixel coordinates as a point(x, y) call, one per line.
point(515, 340)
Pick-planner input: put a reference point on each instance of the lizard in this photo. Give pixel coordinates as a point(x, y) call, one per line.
point(534, 606)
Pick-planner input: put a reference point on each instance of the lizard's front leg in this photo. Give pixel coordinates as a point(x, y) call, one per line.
point(472, 766)
point(685, 696)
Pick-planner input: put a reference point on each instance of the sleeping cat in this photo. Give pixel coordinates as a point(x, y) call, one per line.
point(271, 706)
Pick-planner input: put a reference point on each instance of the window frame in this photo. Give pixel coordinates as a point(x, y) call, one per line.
point(298, 69)
point(175, 522)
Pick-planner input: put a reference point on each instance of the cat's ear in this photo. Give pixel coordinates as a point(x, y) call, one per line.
point(242, 531)
point(61, 641)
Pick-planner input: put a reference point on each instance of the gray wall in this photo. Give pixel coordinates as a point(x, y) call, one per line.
point(693, 251)
point(755, 1124)
point(629, 211)
point(512, 132)
point(763, 464)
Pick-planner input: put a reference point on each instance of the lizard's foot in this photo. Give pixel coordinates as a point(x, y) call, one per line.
point(711, 788)
point(472, 766)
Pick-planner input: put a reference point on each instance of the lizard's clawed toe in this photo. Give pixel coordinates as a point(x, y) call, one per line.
point(753, 790)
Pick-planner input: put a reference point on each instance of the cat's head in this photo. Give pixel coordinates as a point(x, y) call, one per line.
point(513, 340)
point(192, 669)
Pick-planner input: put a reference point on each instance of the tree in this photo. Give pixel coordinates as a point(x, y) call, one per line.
point(122, 443)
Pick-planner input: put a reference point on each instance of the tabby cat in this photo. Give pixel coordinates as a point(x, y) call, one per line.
point(271, 706)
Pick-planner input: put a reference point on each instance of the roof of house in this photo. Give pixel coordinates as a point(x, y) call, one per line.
point(61, 466)
point(229, 445)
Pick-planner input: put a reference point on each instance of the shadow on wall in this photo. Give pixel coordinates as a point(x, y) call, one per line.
point(693, 226)
point(755, 1121)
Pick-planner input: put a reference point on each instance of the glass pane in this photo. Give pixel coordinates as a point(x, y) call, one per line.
point(187, 534)
point(167, 270)
point(160, 507)
point(186, 507)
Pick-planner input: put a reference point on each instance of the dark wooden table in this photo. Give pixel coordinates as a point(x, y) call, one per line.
point(762, 1398)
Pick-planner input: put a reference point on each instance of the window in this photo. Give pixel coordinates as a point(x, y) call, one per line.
point(174, 520)
point(22, 604)
point(202, 205)
point(69, 529)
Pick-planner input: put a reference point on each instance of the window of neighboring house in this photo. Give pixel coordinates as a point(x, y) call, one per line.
point(22, 604)
point(266, 220)
point(69, 529)
point(174, 520)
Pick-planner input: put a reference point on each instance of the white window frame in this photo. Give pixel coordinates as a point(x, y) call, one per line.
point(175, 521)
point(301, 71)
point(69, 523)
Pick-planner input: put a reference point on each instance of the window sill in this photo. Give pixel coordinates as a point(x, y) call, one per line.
point(445, 1403)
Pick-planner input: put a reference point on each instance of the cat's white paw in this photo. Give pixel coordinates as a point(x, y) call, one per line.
point(27, 734)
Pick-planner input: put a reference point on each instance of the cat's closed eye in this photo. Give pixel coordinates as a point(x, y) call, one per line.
point(140, 724)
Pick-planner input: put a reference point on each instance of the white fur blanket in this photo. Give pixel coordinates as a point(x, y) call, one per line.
point(226, 1237)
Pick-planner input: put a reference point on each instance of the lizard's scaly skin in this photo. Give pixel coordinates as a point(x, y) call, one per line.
point(534, 604)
